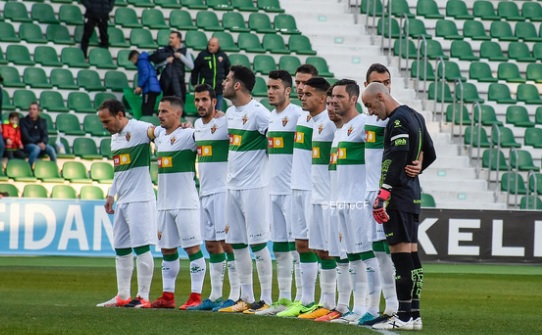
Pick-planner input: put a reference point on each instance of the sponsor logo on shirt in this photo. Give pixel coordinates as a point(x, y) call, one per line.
point(397, 123)
point(400, 142)
point(235, 140)
point(275, 142)
point(341, 153)
point(205, 151)
point(333, 158)
point(299, 137)
point(165, 162)
point(370, 136)
point(122, 159)
point(316, 152)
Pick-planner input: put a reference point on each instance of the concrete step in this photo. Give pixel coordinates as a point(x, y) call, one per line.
point(445, 160)
point(434, 173)
point(463, 197)
point(470, 205)
point(453, 184)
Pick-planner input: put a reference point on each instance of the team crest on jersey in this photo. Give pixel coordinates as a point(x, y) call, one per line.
point(285, 121)
point(309, 118)
point(213, 128)
point(172, 140)
point(128, 136)
point(397, 123)
point(320, 128)
point(159, 235)
point(350, 130)
point(245, 119)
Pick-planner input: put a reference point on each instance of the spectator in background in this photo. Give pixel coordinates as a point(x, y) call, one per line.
point(172, 59)
point(97, 14)
point(12, 136)
point(34, 135)
point(147, 81)
point(211, 67)
point(2, 145)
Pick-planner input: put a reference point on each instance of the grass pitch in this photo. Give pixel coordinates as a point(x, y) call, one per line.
point(57, 295)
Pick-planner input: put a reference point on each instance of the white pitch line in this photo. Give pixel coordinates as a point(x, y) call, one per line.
point(384, 332)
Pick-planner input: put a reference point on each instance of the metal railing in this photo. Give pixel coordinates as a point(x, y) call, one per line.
point(530, 175)
point(475, 105)
point(389, 30)
point(439, 60)
point(458, 83)
point(497, 149)
point(404, 34)
point(417, 87)
point(513, 153)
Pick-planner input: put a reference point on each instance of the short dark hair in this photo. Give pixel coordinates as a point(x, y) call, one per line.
point(352, 88)
point(34, 103)
point(132, 54)
point(330, 90)
point(178, 33)
point(113, 106)
point(319, 83)
point(377, 67)
point(244, 75)
point(174, 101)
point(307, 68)
point(281, 75)
point(205, 88)
point(13, 114)
point(1, 79)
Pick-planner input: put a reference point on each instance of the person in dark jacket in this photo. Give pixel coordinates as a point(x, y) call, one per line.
point(34, 135)
point(211, 67)
point(172, 59)
point(97, 14)
point(2, 144)
point(147, 81)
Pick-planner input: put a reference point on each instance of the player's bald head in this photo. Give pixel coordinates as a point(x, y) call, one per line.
point(374, 88)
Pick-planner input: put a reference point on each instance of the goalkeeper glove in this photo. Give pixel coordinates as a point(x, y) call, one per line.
point(379, 209)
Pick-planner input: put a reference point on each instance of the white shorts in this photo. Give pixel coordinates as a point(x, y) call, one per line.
point(377, 230)
point(335, 246)
point(301, 214)
point(319, 228)
point(134, 224)
point(213, 217)
point(246, 214)
point(355, 228)
point(281, 218)
point(179, 228)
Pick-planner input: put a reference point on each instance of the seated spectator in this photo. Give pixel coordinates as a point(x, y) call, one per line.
point(34, 135)
point(12, 136)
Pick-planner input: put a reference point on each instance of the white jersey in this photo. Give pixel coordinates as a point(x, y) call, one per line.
point(374, 147)
point(176, 169)
point(301, 160)
point(212, 147)
point(322, 137)
point(351, 161)
point(247, 158)
point(131, 153)
point(333, 167)
point(280, 139)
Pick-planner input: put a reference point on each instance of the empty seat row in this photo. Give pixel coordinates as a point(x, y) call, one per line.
point(87, 192)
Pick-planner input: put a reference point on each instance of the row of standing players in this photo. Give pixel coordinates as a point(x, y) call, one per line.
point(310, 180)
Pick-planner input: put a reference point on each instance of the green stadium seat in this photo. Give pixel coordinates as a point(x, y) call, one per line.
point(91, 192)
point(16, 11)
point(234, 21)
point(181, 20)
point(513, 182)
point(19, 170)
point(240, 59)
point(46, 56)
point(400, 8)
point(196, 40)
point(509, 72)
point(414, 70)
point(11, 76)
point(463, 51)
point(301, 45)
point(36, 77)
point(250, 43)
point(93, 126)
point(220, 5)
point(264, 64)
point(383, 28)
point(509, 11)
point(489, 117)
point(530, 202)
point(285, 24)
point(484, 10)
point(208, 21)
point(274, 44)
point(63, 79)
point(538, 115)
point(518, 116)
point(452, 71)
point(458, 115)
point(538, 177)
point(416, 28)
point(85, 148)
point(537, 51)
point(75, 172)
point(523, 161)
point(23, 98)
point(43, 13)
point(10, 189)
point(483, 142)
point(52, 101)
point(260, 88)
point(226, 41)
point(244, 5)
point(458, 10)
point(154, 172)
point(31, 33)
point(69, 124)
point(153, 19)
point(116, 38)
point(260, 23)
point(265, 103)
point(321, 65)
point(520, 52)
point(368, 7)
point(475, 30)
point(500, 93)
point(101, 58)
point(534, 72)
point(434, 49)
point(105, 147)
point(58, 34)
point(3, 59)
point(7, 32)
point(80, 102)
point(78, 35)
point(481, 72)
point(132, 102)
point(116, 81)
point(6, 102)
point(63, 192)
point(526, 31)
point(428, 201)
point(73, 57)
point(18, 55)
point(428, 9)
point(167, 3)
point(289, 63)
point(194, 4)
point(142, 38)
point(141, 3)
point(162, 37)
point(532, 11)
point(533, 137)
point(89, 80)
point(127, 18)
point(47, 171)
point(102, 172)
point(190, 107)
point(441, 96)
point(503, 165)
point(152, 119)
point(529, 94)
point(34, 191)
point(51, 130)
point(447, 30)
point(67, 153)
point(270, 6)
point(101, 97)
point(507, 139)
point(492, 51)
point(123, 61)
point(71, 15)
point(502, 31)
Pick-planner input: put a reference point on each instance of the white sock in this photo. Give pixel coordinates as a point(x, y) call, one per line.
point(233, 280)
point(170, 270)
point(243, 263)
point(387, 276)
point(216, 270)
point(284, 274)
point(328, 279)
point(198, 267)
point(145, 269)
point(359, 280)
point(297, 275)
point(265, 274)
point(344, 287)
point(309, 272)
point(124, 266)
point(373, 285)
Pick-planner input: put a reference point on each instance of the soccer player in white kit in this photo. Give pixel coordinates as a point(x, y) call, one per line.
point(280, 149)
point(134, 226)
point(178, 203)
point(246, 207)
point(212, 147)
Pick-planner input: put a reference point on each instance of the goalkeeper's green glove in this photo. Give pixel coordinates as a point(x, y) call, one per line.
point(379, 206)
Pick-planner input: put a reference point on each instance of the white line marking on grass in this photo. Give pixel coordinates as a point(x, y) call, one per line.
point(384, 332)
